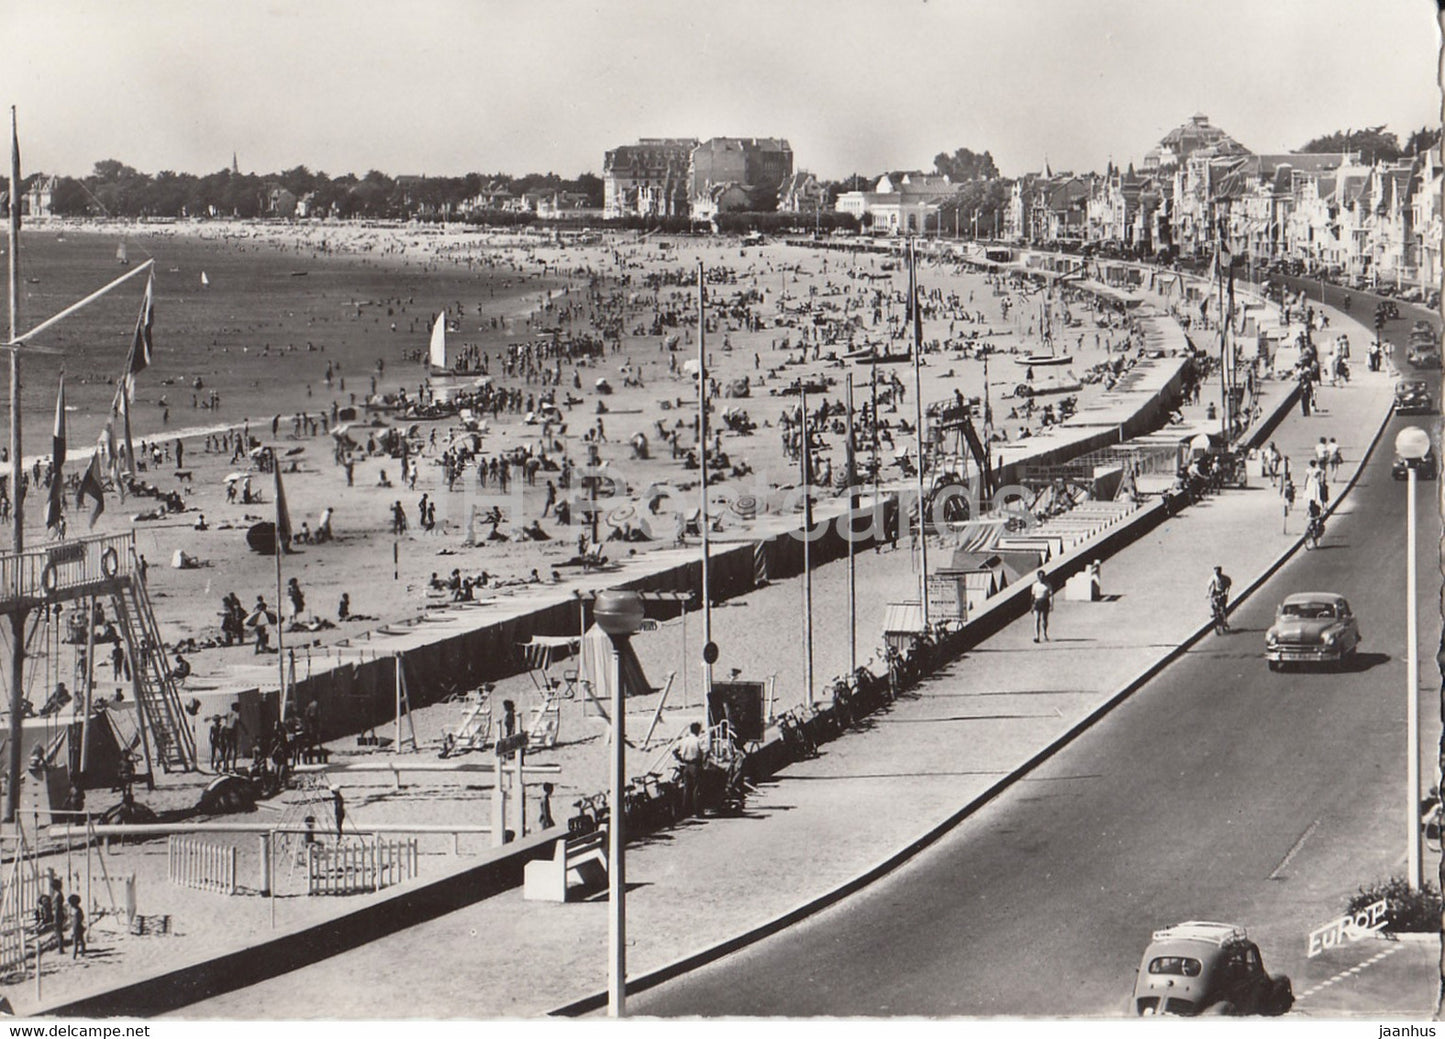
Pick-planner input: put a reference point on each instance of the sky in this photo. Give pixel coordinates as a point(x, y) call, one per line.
point(446, 87)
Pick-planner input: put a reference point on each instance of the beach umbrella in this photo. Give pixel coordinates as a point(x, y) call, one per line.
point(261, 618)
point(234, 477)
point(621, 515)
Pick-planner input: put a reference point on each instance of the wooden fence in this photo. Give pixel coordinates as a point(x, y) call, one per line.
point(348, 869)
point(18, 903)
point(202, 865)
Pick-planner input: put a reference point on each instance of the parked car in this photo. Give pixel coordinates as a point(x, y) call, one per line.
point(1423, 355)
point(1312, 628)
point(1427, 468)
point(1201, 967)
point(1413, 397)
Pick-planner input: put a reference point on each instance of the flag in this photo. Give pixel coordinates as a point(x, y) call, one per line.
point(140, 346)
point(90, 484)
point(57, 478)
point(109, 453)
point(14, 164)
point(283, 516)
point(123, 455)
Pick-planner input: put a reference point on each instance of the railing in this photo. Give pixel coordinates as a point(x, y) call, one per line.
point(346, 869)
point(203, 865)
point(81, 563)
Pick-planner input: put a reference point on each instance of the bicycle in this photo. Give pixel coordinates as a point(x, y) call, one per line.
point(1218, 607)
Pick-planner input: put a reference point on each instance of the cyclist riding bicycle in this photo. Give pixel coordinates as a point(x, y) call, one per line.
point(1218, 591)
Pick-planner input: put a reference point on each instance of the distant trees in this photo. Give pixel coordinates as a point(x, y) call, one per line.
point(1374, 143)
point(987, 199)
point(965, 165)
point(1422, 140)
point(115, 189)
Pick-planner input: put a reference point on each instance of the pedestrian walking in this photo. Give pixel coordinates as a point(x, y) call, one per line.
point(338, 803)
point(544, 810)
point(1337, 459)
point(691, 754)
point(1042, 595)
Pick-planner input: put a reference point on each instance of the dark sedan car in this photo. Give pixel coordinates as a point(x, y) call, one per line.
point(1427, 468)
point(1413, 397)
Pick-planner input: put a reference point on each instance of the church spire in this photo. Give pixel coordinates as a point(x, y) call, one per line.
point(235, 166)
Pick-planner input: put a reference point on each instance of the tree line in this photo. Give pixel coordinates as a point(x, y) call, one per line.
point(118, 190)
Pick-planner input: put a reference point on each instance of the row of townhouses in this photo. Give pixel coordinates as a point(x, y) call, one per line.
point(1331, 212)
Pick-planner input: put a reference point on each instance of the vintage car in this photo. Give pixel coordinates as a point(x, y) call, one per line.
point(1200, 967)
point(1312, 627)
point(1427, 468)
point(1413, 397)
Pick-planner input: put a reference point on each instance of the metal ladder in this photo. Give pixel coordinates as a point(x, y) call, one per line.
point(164, 726)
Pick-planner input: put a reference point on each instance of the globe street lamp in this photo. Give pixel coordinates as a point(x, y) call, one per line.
point(619, 615)
point(1412, 444)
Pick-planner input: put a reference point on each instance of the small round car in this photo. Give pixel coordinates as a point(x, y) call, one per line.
point(1203, 967)
point(1427, 468)
point(1312, 628)
point(1413, 397)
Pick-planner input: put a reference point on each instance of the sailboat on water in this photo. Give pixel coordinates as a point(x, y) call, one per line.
point(205, 281)
point(120, 255)
point(437, 352)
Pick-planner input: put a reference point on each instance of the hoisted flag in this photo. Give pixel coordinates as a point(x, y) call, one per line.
point(90, 485)
point(57, 477)
point(283, 515)
point(141, 343)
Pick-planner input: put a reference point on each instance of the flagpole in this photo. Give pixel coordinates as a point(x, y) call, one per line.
point(918, 429)
point(17, 619)
point(1223, 321)
point(280, 547)
point(852, 576)
point(804, 463)
point(707, 649)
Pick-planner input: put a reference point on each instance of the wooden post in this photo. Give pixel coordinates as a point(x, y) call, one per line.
point(521, 793)
point(499, 799)
point(264, 841)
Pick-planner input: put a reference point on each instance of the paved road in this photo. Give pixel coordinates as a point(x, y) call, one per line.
point(1361, 306)
point(1219, 791)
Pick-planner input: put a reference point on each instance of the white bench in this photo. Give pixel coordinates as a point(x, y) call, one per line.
point(576, 863)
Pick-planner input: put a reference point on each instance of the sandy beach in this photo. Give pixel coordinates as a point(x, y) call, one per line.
point(765, 304)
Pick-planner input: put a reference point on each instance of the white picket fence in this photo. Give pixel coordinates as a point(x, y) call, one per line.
point(202, 865)
point(347, 869)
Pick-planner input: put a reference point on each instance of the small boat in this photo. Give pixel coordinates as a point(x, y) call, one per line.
point(299, 274)
point(120, 255)
point(205, 281)
point(1044, 360)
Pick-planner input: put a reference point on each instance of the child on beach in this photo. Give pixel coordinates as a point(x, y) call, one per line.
point(77, 928)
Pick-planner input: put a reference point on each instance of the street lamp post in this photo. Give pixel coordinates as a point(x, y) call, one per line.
point(619, 614)
point(1412, 444)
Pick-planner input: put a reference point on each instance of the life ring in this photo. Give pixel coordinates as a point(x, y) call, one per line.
point(110, 562)
point(49, 579)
